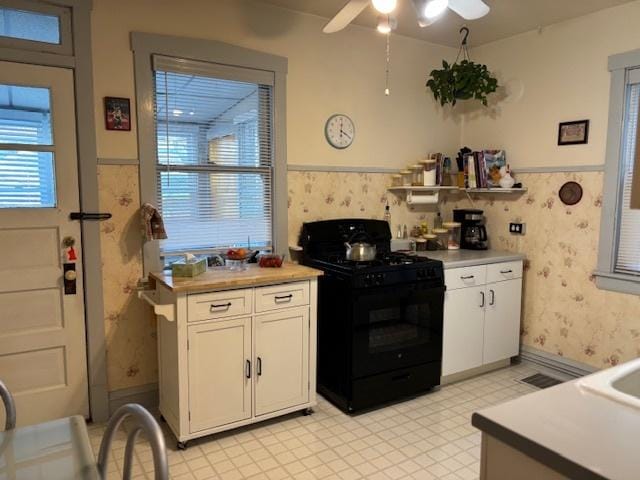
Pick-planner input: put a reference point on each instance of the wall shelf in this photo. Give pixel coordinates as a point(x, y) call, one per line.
point(496, 190)
point(437, 188)
point(457, 189)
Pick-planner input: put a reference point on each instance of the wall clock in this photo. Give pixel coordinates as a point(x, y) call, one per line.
point(339, 131)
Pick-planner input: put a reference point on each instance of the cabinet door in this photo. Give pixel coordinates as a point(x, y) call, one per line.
point(282, 360)
point(502, 320)
point(219, 373)
point(463, 329)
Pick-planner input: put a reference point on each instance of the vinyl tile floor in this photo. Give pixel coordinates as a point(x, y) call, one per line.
point(422, 438)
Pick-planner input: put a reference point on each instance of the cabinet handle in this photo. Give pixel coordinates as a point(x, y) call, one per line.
point(283, 298)
point(221, 305)
point(248, 369)
point(259, 367)
point(493, 297)
point(468, 277)
point(482, 295)
point(506, 271)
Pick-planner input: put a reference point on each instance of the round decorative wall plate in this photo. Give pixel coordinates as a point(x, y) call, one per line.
point(570, 193)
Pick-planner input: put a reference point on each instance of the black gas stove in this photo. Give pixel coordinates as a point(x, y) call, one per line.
point(379, 322)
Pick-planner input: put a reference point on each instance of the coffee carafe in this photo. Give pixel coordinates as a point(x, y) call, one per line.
point(473, 231)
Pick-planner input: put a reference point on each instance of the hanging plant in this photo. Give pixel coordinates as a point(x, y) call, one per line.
point(462, 81)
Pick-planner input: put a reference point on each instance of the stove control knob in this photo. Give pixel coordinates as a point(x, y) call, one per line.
point(421, 274)
point(380, 278)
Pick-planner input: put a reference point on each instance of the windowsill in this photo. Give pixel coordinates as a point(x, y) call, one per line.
point(617, 282)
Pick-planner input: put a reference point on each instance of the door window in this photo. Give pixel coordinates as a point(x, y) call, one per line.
point(27, 177)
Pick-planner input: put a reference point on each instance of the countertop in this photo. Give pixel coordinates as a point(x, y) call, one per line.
point(577, 433)
point(59, 449)
point(221, 278)
point(468, 258)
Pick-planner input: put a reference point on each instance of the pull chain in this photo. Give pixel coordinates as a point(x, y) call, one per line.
point(386, 90)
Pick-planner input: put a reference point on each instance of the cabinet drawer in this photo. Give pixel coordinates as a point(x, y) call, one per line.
point(497, 272)
point(282, 296)
point(209, 306)
point(465, 277)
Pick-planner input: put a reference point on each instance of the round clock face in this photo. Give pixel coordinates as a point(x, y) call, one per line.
point(339, 131)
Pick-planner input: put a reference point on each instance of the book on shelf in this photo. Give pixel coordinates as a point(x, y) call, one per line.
point(494, 160)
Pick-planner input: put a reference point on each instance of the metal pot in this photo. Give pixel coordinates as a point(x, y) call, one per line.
point(360, 251)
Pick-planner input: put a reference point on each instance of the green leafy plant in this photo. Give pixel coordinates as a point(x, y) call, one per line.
point(462, 81)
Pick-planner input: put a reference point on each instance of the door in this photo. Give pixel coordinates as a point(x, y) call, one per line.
point(396, 327)
point(463, 329)
point(282, 359)
point(42, 330)
point(502, 320)
point(220, 373)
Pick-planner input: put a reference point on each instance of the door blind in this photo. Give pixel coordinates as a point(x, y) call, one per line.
point(628, 253)
point(214, 156)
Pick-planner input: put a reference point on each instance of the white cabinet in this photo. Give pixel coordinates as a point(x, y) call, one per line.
point(481, 316)
point(463, 330)
point(282, 360)
point(236, 357)
point(219, 373)
point(502, 320)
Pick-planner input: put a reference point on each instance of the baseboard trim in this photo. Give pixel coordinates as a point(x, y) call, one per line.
point(561, 366)
point(145, 395)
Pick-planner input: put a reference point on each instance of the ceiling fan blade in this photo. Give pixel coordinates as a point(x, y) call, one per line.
point(344, 17)
point(469, 9)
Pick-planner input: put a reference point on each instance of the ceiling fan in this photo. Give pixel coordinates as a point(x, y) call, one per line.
point(427, 11)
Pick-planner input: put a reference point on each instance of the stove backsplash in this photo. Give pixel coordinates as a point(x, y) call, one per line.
point(325, 195)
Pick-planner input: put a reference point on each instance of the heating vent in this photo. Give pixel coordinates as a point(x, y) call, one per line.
point(541, 381)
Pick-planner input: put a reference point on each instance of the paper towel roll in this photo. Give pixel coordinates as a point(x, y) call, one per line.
point(421, 198)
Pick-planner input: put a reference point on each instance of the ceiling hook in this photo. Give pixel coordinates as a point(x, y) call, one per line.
point(466, 35)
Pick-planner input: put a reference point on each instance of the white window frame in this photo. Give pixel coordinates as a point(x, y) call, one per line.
point(625, 70)
point(65, 47)
point(145, 46)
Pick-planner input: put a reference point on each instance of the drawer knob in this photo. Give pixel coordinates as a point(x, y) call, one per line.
point(283, 298)
point(221, 305)
point(506, 271)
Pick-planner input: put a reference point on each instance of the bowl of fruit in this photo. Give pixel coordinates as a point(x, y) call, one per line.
point(237, 259)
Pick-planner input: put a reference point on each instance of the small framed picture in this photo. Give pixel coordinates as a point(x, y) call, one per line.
point(117, 113)
point(573, 133)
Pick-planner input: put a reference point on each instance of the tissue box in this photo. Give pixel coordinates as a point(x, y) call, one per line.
point(191, 269)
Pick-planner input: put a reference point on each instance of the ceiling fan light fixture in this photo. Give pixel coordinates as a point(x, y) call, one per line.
point(383, 24)
point(385, 6)
point(434, 8)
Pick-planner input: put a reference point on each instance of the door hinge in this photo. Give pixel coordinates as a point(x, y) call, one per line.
point(189, 415)
point(187, 344)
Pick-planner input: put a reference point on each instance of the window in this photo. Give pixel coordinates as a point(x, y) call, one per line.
point(214, 156)
point(26, 148)
point(25, 25)
point(619, 247)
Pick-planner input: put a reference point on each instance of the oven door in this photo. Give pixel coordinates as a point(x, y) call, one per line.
point(396, 327)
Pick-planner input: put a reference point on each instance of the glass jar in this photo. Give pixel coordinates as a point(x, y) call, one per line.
point(429, 173)
point(396, 180)
point(406, 177)
point(454, 229)
point(442, 238)
point(421, 244)
point(416, 175)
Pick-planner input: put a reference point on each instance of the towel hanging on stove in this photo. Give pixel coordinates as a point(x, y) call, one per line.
point(152, 223)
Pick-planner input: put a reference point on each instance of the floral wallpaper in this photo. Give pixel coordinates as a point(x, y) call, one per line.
point(325, 195)
point(129, 323)
point(563, 311)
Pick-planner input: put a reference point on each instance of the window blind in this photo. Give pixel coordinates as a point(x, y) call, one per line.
point(628, 252)
point(214, 155)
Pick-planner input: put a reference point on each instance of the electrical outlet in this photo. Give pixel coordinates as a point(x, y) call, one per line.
point(516, 228)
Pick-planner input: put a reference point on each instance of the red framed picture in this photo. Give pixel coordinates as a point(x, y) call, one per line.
point(117, 113)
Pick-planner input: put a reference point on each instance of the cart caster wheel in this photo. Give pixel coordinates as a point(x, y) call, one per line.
point(307, 411)
point(182, 445)
point(162, 419)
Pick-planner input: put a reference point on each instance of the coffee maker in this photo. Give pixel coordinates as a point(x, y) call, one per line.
point(473, 233)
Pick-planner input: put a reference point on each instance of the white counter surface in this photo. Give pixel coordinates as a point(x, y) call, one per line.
point(468, 258)
point(577, 433)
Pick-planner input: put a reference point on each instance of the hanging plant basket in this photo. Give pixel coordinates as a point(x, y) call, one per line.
point(462, 81)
